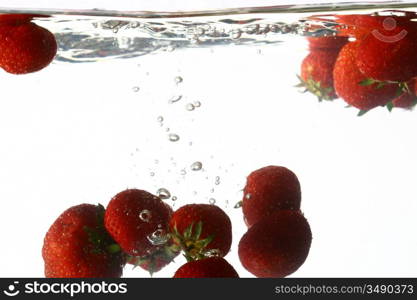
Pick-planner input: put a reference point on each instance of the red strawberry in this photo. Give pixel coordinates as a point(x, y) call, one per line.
point(77, 245)
point(138, 221)
point(355, 88)
point(317, 68)
point(24, 46)
point(201, 230)
point(388, 56)
point(211, 267)
point(277, 245)
point(267, 190)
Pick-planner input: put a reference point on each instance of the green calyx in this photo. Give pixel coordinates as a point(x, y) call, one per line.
point(316, 88)
point(152, 262)
point(191, 243)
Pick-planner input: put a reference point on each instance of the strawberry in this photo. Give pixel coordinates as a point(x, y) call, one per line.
point(387, 56)
point(138, 222)
point(24, 46)
point(211, 267)
point(277, 245)
point(201, 230)
point(317, 67)
point(267, 190)
point(77, 245)
point(354, 87)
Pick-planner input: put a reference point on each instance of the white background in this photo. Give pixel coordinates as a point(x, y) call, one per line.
point(76, 133)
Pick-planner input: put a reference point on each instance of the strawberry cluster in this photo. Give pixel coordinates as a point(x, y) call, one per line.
point(371, 62)
point(138, 228)
point(279, 237)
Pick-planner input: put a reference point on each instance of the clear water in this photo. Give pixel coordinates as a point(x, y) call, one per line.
point(186, 107)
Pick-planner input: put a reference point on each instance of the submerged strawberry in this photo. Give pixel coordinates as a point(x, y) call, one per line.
point(277, 245)
point(201, 230)
point(77, 245)
point(138, 221)
point(317, 68)
point(24, 46)
point(268, 190)
point(212, 267)
point(354, 87)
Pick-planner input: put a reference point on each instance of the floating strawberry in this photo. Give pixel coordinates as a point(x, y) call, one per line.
point(24, 46)
point(389, 55)
point(200, 230)
point(268, 190)
point(77, 245)
point(211, 267)
point(138, 222)
point(317, 68)
point(355, 88)
point(277, 245)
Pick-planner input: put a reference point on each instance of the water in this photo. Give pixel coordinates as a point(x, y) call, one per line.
point(113, 112)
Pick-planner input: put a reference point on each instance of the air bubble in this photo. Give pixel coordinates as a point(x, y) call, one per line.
point(196, 166)
point(183, 172)
point(160, 119)
point(217, 180)
point(212, 201)
point(197, 103)
point(135, 89)
point(178, 79)
point(145, 215)
point(174, 198)
point(212, 253)
point(190, 107)
point(152, 174)
point(173, 137)
point(238, 205)
point(163, 193)
point(158, 237)
point(248, 196)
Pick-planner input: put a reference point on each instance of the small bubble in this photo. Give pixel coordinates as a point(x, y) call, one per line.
point(196, 166)
point(212, 190)
point(174, 198)
point(212, 253)
point(212, 201)
point(178, 79)
point(167, 129)
point(190, 107)
point(183, 172)
point(217, 180)
point(173, 137)
point(135, 89)
point(236, 34)
point(145, 215)
point(195, 193)
point(175, 98)
point(197, 103)
point(160, 119)
point(248, 196)
point(163, 193)
point(158, 237)
point(152, 174)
